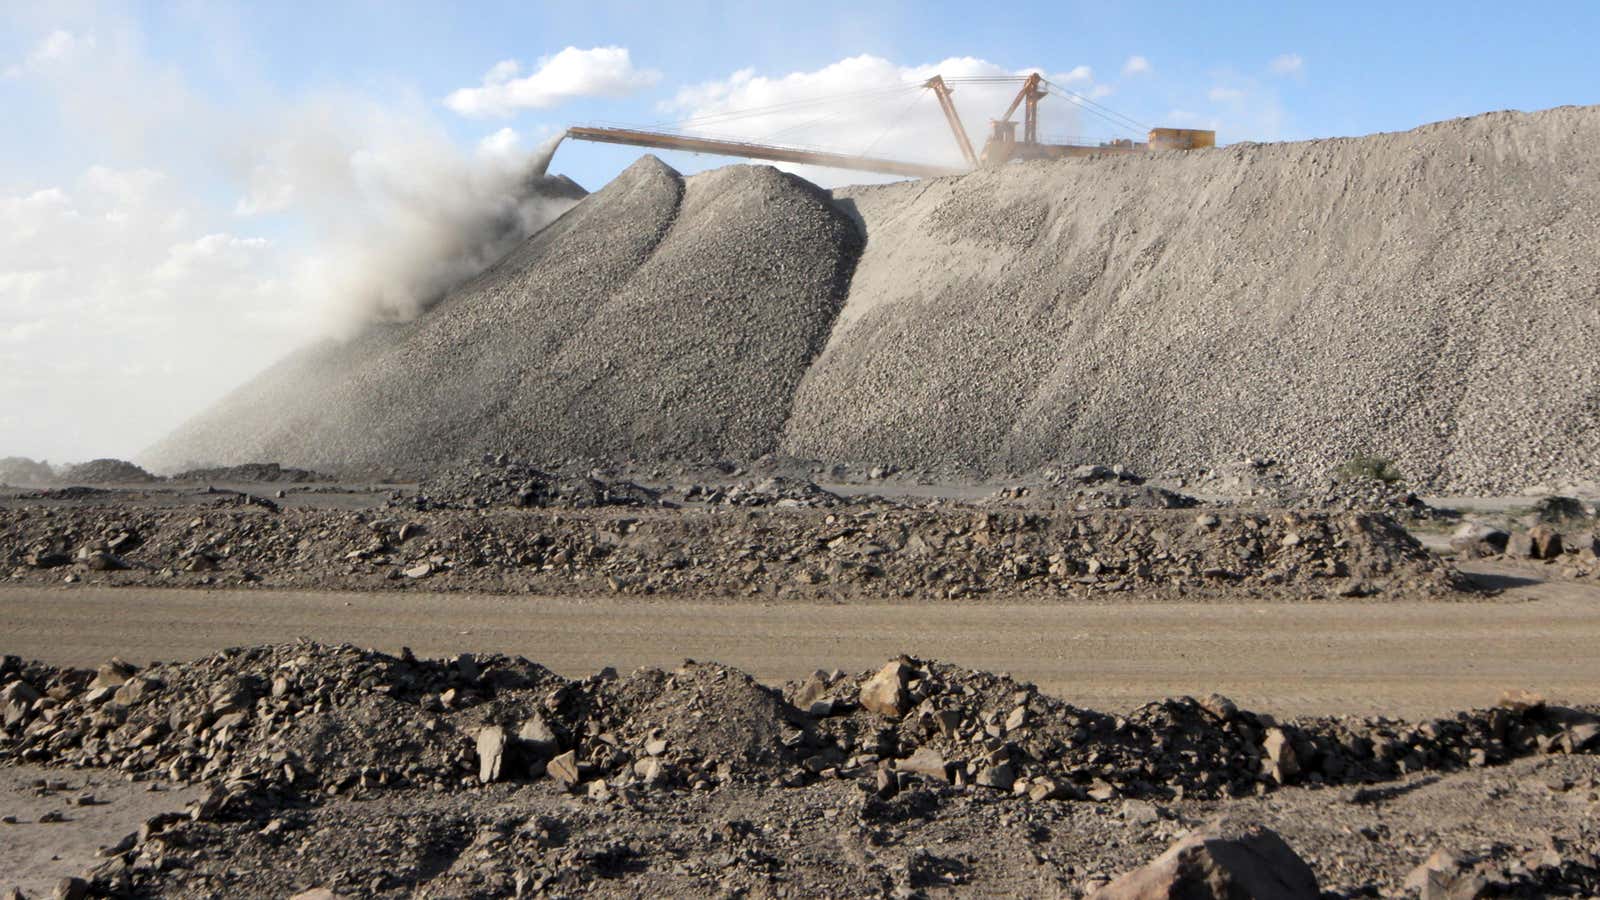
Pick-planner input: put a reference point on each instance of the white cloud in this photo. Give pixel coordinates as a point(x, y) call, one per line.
point(500, 143)
point(1288, 64)
point(1136, 65)
point(57, 46)
point(887, 114)
point(269, 189)
point(1244, 108)
point(152, 281)
point(218, 252)
point(102, 273)
point(1191, 119)
point(568, 75)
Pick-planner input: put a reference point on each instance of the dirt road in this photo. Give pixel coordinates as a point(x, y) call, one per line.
point(1410, 659)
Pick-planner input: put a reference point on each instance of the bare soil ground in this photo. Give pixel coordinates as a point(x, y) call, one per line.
point(1419, 658)
point(36, 854)
point(356, 773)
point(1360, 843)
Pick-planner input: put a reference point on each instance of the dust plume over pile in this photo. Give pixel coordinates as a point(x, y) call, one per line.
point(438, 222)
point(395, 212)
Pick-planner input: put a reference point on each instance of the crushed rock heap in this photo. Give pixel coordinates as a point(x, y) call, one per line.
point(276, 731)
point(268, 717)
point(1427, 296)
point(497, 480)
point(662, 316)
point(587, 535)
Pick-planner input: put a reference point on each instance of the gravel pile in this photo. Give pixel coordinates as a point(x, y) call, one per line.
point(868, 550)
point(1117, 496)
point(500, 481)
point(1091, 487)
point(774, 491)
point(698, 354)
point(396, 394)
point(1573, 547)
point(19, 470)
point(266, 473)
point(285, 736)
point(660, 317)
point(106, 471)
point(1427, 296)
point(1258, 482)
point(318, 719)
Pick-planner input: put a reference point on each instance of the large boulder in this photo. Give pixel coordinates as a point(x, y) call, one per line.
point(885, 692)
point(1474, 540)
point(1221, 861)
point(491, 753)
point(1546, 542)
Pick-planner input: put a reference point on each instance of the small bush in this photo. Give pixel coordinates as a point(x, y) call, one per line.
point(1371, 468)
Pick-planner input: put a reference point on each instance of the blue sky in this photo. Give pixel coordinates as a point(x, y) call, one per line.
point(186, 184)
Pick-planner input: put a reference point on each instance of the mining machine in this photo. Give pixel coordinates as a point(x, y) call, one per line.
point(1003, 144)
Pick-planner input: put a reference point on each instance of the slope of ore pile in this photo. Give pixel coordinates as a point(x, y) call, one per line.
point(869, 549)
point(660, 770)
point(1427, 296)
point(661, 316)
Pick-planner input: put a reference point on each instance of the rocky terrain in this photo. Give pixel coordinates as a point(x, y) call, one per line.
point(735, 390)
point(1559, 534)
point(915, 779)
point(1163, 310)
point(505, 526)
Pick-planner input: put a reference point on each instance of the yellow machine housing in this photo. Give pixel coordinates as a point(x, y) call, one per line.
point(1181, 139)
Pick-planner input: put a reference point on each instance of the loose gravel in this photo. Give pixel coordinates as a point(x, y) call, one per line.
point(585, 536)
point(662, 317)
point(1426, 296)
point(691, 781)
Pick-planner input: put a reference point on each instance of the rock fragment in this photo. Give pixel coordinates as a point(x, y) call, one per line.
point(927, 762)
point(1445, 876)
point(491, 753)
point(1220, 862)
point(71, 889)
point(1282, 763)
point(537, 738)
point(564, 769)
point(885, 692)
point(1000, 777)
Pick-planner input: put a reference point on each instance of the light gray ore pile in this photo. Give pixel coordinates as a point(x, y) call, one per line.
point(1429, 296)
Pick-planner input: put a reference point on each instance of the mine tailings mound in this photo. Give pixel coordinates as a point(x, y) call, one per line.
point(1429, 296)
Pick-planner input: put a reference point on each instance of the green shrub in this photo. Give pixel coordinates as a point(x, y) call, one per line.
point(1371, 468)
